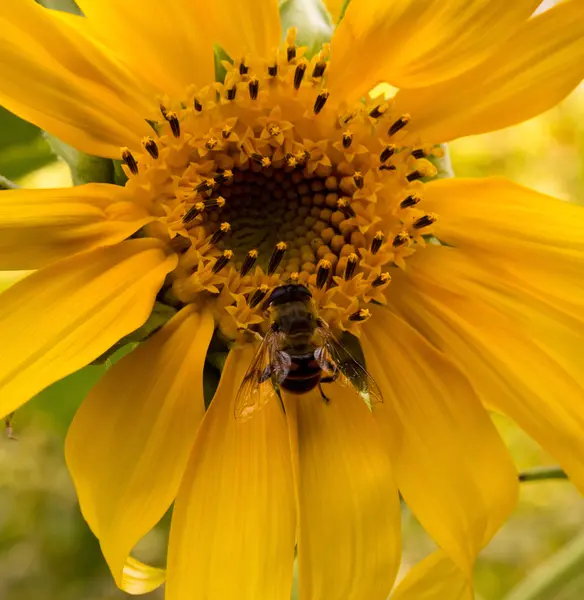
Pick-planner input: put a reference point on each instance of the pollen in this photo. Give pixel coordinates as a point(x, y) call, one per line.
point(268, 178)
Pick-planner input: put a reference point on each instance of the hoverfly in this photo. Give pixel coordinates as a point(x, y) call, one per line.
point(298, 353)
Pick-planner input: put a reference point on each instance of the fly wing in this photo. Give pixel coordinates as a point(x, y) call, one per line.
point(257, 388)
point(332, 355)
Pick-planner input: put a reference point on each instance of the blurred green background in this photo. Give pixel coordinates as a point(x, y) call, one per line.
point(46, 551)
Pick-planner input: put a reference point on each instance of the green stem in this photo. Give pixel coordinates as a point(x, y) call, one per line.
point(542, 473)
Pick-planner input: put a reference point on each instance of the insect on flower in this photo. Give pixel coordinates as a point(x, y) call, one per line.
point(298, 353)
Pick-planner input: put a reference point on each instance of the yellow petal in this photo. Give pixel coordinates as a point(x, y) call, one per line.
point(147, 409)
point(540, 65)
point(349, 541)
point(62, 317)
point(434, 578)
point(334, 7)
point(168, 42)
point(233, 525)
point(139, 578)
point(451, 466)
point(521, 352)
point(65, 83)
point(413, 44)
point(538, 240)
point(38, 227)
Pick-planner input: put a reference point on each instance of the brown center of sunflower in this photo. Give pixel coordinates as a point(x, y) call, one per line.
point(266, 179)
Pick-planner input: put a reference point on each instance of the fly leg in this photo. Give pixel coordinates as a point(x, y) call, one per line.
point(334, 375)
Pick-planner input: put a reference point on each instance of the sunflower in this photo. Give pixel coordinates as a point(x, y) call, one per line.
point(467, 295)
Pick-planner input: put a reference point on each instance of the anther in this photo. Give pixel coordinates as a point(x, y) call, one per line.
point(172, 119)
point(164, 111)
point(222, 260)
point(352, 260)
point(320, 101)
point(360, 315)
point(347, 139)
point(381, 279)
point(378, 111)
point(211, 143)
point(424, 221)
point(130, 161)
point(198, 106)
point(150, 147)
point(254, 87)
point(223, 176)
point(400, 239)
point(193, 212)
point(319, 69)
point(243, 68)
point(204, 186)
point(387, 168)
point(226, 132)
point(376, 242)
point(387, 153)
point(323, 272)
point(258, 296)
point(399, 124)
point(273, 70)
point(410, 201)
point(277, 257)
point(231, 92)
point(358, 179)
point(220, 233)
point(415, 175)
point(345, 207)
point(419, 153)
point(299, 75)
point(294, 277)
point(291, 53)
point(263, 161)
point(217, 202)
point(248, 263)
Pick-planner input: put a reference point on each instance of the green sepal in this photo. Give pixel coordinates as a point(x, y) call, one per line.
point(220, 56)
point(312, 20)
point(62, 5)
point(84, 167)
point(161, 313)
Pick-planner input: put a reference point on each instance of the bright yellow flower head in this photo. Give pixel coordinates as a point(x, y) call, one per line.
point(288, 172)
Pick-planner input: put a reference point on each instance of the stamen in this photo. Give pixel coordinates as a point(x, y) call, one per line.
point(387, 152)
point(319, 69)
point(164, 111)
point(273, 70)
point(415, 175)
point(226, 132)
point(258, 296)
point(299, 75)
point(381, 279)
point(172, 118)
point(248, 263)
point(360, 315)
point(358, 179)
point(263, 161)
point(320, 101)
point(218, 202)
point(410, 201)
point(345, 207)
point(130, 161)
point(254, 88)
point(377, 241)
point(198, 106)
point(222, 260)
point(352, 261)
point(151, 147)
point(204, 186)
point(223, 176)
point(419, 153)
point(378, 111)
point(291, 53)
point(277, 257)
point(323, 272)
point(231, 92)
point(211, 143)
point(399, 124)
point(193, 212)
point(424, 221)
point(223, 230)
point(243, 69)
point(400, 239)
point(347, 139)
point(294, 277)
point(387, 168)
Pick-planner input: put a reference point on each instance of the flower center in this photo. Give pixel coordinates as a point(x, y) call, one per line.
point(267, 179)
